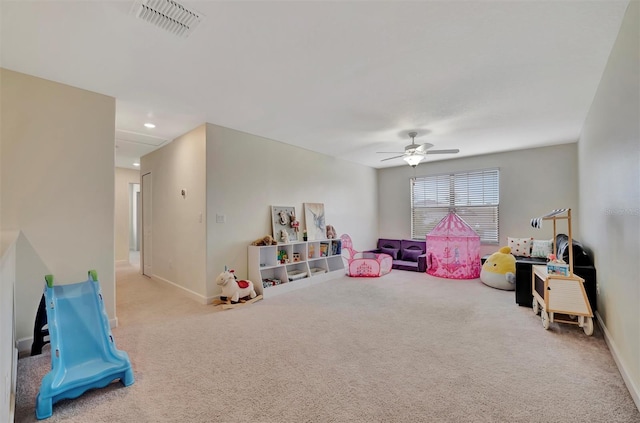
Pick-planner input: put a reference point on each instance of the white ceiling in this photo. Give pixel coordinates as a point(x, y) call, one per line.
point(343, 78)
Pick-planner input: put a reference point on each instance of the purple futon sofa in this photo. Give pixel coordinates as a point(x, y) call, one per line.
point(407, 254)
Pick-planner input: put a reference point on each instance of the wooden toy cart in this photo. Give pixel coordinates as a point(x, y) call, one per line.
point(560, 298)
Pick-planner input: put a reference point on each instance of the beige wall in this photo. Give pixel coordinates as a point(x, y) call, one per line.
point(57, 183)
point(247, 174)
point(532, 183)
point(609, 168)
point(123, 180)
point(8, 353)
point(189, 250)
point(179, 223)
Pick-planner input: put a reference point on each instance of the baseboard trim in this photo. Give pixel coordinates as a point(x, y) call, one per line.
point(210, 300)
point(24, 344)
point(633, 389)
point(185, 291)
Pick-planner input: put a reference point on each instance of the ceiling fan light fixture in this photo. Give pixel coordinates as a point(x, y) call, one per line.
point(413, 159)
point(414, 153)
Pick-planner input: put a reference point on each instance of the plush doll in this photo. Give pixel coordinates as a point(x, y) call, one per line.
point(284, 236)
point(499, 270)
point(295, 224)
point(232, 288)
point(265, 240)
point(331, 232)
point(284, 219)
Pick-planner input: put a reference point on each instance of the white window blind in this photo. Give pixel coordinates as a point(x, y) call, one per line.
point(474, 196)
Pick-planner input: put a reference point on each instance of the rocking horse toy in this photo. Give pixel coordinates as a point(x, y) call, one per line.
point(235, 292)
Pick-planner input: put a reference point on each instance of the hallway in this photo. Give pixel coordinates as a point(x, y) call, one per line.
point(142, 300)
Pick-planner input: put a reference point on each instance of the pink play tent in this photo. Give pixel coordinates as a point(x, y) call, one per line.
point(453, 249)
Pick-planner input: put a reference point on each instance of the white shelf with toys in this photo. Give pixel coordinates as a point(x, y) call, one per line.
point(276, 269)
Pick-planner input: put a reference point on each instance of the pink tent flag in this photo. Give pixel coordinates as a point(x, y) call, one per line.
point(453, 249)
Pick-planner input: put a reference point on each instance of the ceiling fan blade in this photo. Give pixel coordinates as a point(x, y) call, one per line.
point(390, 158)
point(424, 147)
point(390, 152)
point(451, 151)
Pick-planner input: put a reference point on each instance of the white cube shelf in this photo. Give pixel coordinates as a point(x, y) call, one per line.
point(276, 269)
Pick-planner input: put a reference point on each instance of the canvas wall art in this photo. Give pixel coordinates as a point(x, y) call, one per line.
point(314, 221)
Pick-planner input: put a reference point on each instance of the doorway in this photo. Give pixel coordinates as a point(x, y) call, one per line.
point(145, 256)
point(135, 218)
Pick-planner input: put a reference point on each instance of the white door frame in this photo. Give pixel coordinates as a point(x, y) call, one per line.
point(146, 183)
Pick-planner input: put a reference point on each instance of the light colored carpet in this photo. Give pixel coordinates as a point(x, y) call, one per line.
point(406, 347)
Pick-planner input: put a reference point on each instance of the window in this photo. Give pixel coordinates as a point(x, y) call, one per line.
point(474, 196)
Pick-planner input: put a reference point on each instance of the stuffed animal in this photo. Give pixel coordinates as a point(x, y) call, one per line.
point(284, 236)
point(499, 270)
point(232, 288)
point(295, 224)
point(265, 240)
point(331, 232)
point(284, 218)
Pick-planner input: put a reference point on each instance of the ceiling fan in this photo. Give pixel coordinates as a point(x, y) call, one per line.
point(414, 153)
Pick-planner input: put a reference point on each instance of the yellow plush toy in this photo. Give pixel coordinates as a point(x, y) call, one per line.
point(499, 270)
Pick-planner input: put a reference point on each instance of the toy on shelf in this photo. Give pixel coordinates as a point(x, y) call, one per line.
point(295, 223)
point(283, 257)
point(267, 282)
point(331, 232)
point(265, 240)
point(283, 217)
point(559, 294)
point(83, 351)
point(556, 266)
point(235, 292)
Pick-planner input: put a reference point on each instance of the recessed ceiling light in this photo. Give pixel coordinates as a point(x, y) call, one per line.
point(149, 125)
point(136, 164)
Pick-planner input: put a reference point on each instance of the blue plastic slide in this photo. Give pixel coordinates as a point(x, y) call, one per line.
point(83, 352)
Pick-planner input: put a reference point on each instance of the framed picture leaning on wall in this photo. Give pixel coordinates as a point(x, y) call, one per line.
point(314, 221)
point(283, 218)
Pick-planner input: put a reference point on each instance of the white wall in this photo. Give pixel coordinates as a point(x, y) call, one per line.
point(8, 352)
point(609, 168)
point(241, 179)
point(179, 223)
point(57, 184)
point(123, 179)
point(247, 174)
point(532, 183)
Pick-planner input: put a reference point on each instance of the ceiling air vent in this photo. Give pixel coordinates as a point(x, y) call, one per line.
point(168, 15)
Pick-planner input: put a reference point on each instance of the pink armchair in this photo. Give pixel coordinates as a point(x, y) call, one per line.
point(364, 264)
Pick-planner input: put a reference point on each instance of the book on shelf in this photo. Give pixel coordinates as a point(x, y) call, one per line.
point(324, 249)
